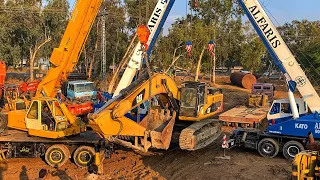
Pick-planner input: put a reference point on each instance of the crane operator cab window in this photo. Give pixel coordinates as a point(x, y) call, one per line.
point(47, 119)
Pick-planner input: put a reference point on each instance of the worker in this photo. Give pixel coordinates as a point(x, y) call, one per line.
point(46, 117)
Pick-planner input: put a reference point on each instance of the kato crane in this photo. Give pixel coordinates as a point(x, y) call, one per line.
point(289, 122)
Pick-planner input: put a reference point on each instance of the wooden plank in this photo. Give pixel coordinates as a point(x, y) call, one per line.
point(243, 114)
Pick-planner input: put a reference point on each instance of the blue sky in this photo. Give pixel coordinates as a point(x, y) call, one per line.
point(282, 10)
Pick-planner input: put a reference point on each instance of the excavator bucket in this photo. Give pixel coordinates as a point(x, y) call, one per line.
point(160, 123)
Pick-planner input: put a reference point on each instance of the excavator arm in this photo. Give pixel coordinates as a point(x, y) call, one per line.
point(66, 56)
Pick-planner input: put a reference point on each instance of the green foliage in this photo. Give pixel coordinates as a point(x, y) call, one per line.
point(251, 53)
point(303, 38)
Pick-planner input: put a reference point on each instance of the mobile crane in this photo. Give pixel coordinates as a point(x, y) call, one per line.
point(47, 127)
point(289, 122)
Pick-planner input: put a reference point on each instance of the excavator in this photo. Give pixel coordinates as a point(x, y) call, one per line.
point(193, 102)
point(46, 127)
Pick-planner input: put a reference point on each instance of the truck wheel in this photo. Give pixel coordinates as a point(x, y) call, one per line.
point(268, 147)
point(57, 155)
point(84, 156)
point(291, 148)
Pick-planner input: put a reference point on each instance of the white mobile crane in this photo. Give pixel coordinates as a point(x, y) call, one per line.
point(289, 122)
point(155, 25)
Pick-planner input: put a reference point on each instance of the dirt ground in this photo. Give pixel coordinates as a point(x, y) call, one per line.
point(173, 163)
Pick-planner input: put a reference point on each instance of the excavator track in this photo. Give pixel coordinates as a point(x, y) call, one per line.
point(200, 134)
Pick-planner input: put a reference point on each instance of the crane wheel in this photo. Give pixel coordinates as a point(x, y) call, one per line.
point(84, 156)
point(268, 148)
point(57, 155)
point(291, 148)
point(3, 122)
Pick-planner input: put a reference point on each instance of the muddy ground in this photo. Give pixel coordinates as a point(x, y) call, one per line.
point(173, 163)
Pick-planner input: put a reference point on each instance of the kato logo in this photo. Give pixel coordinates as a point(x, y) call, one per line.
point(264, 26)
point(301, 126)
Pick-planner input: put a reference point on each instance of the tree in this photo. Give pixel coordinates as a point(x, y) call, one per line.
point(251, 53)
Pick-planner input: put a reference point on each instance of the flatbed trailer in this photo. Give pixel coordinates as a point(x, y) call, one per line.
point(267, 144)
point(243, 116)
point(81, 148)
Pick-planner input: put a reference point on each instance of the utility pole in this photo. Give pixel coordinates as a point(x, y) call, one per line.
point(103, 45)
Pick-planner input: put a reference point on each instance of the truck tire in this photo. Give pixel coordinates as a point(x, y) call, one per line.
point(84, 156)
point(291, 148)
point(268, 148)
point(57, 155)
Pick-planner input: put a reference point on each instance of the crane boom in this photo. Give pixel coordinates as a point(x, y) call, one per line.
point(155, 24)
point(66, 56)
point(280, 52)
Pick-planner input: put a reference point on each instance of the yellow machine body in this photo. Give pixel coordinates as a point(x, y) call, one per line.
point(33, 120)
point(305, 166)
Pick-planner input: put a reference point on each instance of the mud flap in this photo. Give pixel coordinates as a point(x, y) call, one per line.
point(161, 126)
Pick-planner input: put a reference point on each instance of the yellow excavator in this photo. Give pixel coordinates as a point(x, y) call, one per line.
point(168, 105)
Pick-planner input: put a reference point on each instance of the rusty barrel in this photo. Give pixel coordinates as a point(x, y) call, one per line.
point(243, 79)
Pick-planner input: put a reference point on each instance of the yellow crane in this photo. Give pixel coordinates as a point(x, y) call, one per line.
point(63, 59)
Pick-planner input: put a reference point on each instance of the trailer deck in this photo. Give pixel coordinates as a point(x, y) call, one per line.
point(22, 136)
point(243, 116)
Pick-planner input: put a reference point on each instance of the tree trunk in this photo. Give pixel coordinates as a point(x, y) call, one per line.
point(31, 65)
point(86, 63)
point(199, 64)
point(33, 54)
point(92, 60)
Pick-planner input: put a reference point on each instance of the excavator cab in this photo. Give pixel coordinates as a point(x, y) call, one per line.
point(197, 99)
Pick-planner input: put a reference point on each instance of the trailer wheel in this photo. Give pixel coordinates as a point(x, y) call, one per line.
point(57, 155)
point(291, 148)
point(84, 156)
point(268, 147)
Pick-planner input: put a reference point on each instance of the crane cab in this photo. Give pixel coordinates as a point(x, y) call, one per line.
point(198, 101)
point(45, 117)
point(281, 110)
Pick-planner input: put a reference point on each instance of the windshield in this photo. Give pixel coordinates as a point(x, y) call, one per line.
point(88, 87)
point(58, 110)
point(188, 99)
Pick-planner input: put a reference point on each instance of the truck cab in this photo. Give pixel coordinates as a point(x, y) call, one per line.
point(80, 90)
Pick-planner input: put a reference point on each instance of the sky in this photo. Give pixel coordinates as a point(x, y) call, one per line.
point(282, 10)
